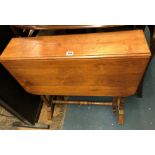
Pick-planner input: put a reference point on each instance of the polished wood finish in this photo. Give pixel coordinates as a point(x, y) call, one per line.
point(62, 27)
point(103, 64)
point(95, 45)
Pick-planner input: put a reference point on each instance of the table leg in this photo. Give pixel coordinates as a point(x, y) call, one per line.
point(120, 105)
point(114, 105)
point(49, 104)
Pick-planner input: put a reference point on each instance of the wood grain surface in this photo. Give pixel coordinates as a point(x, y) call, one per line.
point(102, 64)
point(110, 44)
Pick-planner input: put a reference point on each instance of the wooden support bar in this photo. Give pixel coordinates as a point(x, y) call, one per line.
point(116, 104)
point(82, 102)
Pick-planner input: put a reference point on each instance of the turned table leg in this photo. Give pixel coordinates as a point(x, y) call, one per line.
point(49, 104)
point(114, 105)
point(120, 106)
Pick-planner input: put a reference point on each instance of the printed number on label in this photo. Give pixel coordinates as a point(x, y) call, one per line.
point(69, 53)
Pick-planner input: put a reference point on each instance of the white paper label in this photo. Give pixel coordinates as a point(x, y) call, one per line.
point(69, 53)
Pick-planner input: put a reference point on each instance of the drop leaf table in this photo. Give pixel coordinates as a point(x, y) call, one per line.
point(95, 64)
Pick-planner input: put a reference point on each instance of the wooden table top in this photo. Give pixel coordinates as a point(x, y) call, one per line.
point(109, 44)
point(100, 64)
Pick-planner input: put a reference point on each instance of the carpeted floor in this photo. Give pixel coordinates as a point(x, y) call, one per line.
point(7, 120)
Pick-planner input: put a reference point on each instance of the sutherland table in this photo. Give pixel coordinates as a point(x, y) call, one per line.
point(97, 64)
